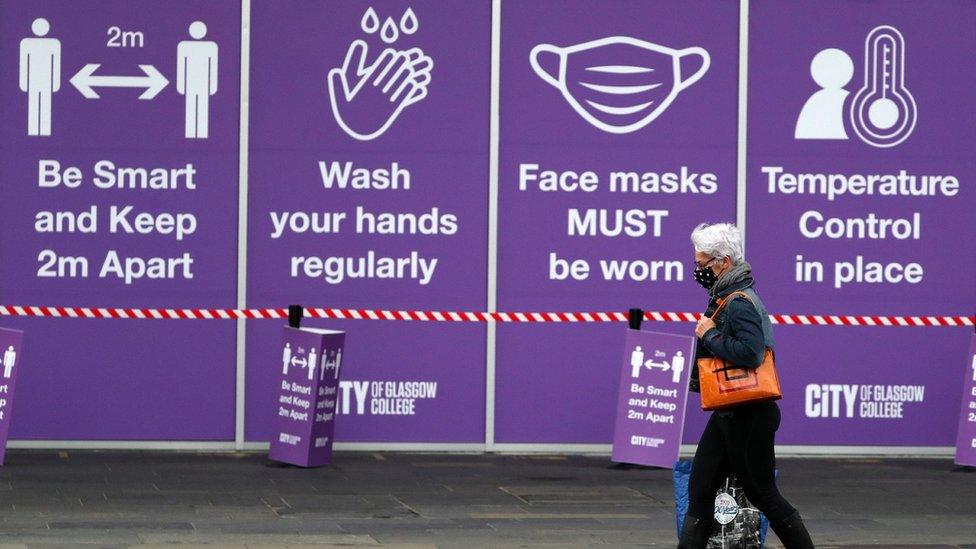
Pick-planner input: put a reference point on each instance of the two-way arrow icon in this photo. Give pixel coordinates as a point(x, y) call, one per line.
point(664, 366)
point(85, 80)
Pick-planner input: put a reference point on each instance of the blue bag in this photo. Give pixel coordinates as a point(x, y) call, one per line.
point(741, 526)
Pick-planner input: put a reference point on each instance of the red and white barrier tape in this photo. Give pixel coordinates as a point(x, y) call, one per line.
point(462, 316)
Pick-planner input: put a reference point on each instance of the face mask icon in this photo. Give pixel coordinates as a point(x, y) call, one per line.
point(619, 84)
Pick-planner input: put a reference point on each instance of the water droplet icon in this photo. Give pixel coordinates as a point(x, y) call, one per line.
point(409, 23)
point(370, 22)
point(389, 33)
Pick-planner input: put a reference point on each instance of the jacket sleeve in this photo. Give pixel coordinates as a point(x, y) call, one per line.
point(744, 346)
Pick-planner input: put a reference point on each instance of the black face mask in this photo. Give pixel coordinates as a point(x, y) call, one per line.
point(706, 277)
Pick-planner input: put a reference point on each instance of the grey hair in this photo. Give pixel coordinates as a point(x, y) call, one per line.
point(719, 240)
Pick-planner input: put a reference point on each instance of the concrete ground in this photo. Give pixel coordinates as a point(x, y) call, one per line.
point(152, 499)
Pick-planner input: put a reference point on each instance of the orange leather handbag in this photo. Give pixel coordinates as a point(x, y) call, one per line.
point(724, 384)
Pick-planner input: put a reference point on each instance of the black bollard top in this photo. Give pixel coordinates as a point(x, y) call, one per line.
point(295, 313)
point(634, 318)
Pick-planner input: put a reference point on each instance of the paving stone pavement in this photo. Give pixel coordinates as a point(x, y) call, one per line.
point(164, 499)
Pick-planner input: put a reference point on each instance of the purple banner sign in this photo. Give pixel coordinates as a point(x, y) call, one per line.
point(652, 398)
point(860, 194)
point(368, 189)
point(11, 362)
point(618, 132)
point(966, 438)
point(119, 148)
point(307, 390)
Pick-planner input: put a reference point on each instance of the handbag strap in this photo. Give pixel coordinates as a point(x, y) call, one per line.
point(723, 302)
point(721, 305)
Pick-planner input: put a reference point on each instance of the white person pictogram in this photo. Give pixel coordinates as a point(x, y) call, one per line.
point(196, 78)
point(285, 358)
point(40, 76)
point(822, 116)
point(310, 364)
point(636, 361)
point(9, 361)
point(677, 366)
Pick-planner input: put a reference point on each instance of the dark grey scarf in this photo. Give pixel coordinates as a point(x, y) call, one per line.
point(736, 274)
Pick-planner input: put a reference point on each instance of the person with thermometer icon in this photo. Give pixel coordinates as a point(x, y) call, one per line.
point(883, 112)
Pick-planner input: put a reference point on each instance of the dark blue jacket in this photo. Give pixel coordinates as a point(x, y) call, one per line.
point(741, 334)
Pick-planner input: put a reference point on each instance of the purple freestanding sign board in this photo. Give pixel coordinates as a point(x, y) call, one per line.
point(368, 189)
point(305, 406)
point(11, 362)
point(860, 202)
point(652, 397)
point(966, 437)
point(617, 137)
point(119, 150)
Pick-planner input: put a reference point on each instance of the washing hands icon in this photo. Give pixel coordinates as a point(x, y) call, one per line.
point(367, 97)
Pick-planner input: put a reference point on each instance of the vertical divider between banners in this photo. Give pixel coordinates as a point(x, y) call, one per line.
point(493, 143)
point(242, 225)
point(740, 195)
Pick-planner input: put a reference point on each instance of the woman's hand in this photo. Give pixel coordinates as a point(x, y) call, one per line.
point(704, 324)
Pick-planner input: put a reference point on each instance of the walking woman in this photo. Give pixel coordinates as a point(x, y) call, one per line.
point(738, 439)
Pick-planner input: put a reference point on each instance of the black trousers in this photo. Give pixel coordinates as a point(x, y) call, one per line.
point(740, 442)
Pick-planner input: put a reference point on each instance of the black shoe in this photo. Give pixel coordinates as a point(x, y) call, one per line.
point(792, 533)
point(695, 533)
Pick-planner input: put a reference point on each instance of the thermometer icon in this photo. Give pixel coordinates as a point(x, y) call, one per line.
point(883, 112)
